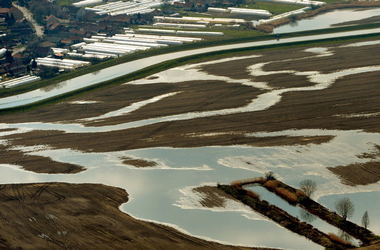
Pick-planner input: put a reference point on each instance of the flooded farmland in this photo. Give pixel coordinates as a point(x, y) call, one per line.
point(297, 112)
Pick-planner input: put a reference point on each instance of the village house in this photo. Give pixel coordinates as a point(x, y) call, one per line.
point(196, 5)
point(14, 68)
point(50, 20)
point(4, 12)
point(43, 51)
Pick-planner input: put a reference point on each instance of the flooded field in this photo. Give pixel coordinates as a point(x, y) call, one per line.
point(297, 112)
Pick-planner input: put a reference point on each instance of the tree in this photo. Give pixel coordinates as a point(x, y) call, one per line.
point(34, 64)
point(270, 176)
point(365, 220)
point(345, 207)
point(8, 56)
point(308, 186)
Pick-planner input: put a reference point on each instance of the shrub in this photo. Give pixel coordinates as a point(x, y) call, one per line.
point(271, 185)
point(287, 195)
point(335, 238)
point(270, 176)
point(300, 193)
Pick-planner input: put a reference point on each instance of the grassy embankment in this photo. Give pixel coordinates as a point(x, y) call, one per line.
point(176, 62)
point(297, 197)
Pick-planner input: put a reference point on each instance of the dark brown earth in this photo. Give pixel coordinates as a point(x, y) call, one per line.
point(37, 164)
point(81, 216)
point(213, 196)
point(139, 163)
point(361, 173)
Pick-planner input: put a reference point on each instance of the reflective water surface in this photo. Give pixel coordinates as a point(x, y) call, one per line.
point(328, 19)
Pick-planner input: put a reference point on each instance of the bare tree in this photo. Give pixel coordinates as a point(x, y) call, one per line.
point(365, 220)
point(270, 176)
point(345, 207)
point(308, 186)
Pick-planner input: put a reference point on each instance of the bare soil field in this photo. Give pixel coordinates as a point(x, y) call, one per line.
point(361, 173)
point(213, 196)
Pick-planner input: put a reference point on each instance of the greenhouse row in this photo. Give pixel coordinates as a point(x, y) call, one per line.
point(181, 32)
point(198, 19)
point(19, 81)
point(87, 3)
point(286, 14)
point(66, 64)
point(129, 8)
point(297, 2)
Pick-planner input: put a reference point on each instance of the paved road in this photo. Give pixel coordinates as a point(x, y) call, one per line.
point(28, 15)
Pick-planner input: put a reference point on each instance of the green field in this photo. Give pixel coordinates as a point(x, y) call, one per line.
point(65, 2)
point(274, 8)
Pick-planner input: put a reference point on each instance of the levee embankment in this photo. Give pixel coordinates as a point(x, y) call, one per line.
point(297, 197)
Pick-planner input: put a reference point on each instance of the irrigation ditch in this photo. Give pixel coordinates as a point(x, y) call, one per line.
point(297, 197)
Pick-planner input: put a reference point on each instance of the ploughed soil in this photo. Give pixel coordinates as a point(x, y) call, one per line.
point(139, 163)
point(35, 163)
point(212, 196)
point(361, 173)
point(81, 216)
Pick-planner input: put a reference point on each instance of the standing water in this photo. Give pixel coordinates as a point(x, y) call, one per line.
point(328, 19)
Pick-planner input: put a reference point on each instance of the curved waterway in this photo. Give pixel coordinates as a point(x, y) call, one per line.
point(129, 67)
point(165, 193)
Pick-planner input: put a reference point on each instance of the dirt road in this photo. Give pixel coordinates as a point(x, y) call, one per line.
point(28, 15)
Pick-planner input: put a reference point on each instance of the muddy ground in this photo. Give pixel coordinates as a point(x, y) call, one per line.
point(351, 103)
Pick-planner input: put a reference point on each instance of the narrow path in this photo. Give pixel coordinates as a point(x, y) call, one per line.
point(28, 15)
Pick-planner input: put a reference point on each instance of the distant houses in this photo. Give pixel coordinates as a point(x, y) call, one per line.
point(196, 5)
point(53, 25)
